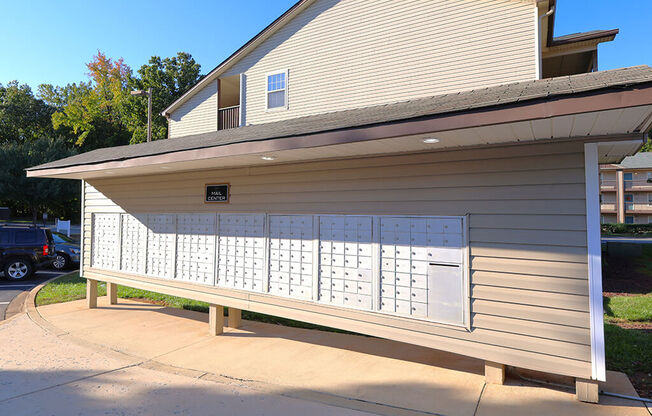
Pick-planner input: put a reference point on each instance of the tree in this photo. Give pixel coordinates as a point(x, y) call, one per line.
point(647, 147)
point(94, 112)
point(35, 194)
point(22, 116)
point(169, 78)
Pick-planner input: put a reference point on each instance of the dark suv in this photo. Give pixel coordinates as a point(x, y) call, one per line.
point(23, 250)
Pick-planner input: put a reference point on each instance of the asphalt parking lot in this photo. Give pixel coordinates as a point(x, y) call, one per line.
point(9, 290)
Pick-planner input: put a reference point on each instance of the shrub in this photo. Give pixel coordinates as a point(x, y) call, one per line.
point(627, 228)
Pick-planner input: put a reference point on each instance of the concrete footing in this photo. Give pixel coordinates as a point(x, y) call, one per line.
point(112, 293)
point(91, 293)
point(587, 390)
point(235, 318)
point(215, 319)
point(494, 373)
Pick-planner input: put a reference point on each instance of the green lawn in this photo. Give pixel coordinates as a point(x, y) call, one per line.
point(72, 287)
point(628, 308)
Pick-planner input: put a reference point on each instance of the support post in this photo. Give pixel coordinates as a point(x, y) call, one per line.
point(587, 390)
point(112, 293)
point(235, 318)
point(215, 319)
point(91, 293)
point(494, 373)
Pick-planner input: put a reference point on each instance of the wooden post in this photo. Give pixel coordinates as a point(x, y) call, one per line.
point(586, 390)
point(91, 293)
point(235, 318)
point(112, 293)
point(494, 373)
point(215, 319)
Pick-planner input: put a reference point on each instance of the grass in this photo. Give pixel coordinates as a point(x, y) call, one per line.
point(628, 309)
point(628, 350)
point(628, 318)
point(72, 287)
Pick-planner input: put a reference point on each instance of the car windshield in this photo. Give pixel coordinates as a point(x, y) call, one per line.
point(62, 238)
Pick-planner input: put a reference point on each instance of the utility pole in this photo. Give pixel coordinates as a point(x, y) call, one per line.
point(148, 94)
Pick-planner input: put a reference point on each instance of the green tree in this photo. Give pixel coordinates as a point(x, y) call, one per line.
point(94, 112)
point(22, 116)
point(169, 78)
point(647, 147)
point(36, 194)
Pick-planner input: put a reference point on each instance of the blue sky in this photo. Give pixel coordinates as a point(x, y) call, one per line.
point(51, 41)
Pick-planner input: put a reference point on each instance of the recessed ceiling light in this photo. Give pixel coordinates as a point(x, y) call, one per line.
point(165, 167)
point(431, 140)
point(268, 157)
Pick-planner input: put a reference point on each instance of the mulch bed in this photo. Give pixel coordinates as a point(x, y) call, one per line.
point(622, 277)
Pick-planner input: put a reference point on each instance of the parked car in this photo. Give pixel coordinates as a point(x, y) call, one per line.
point(25, 249)
point(67, 251)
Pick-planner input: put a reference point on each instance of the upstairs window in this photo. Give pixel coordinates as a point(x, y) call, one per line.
point(277, 92)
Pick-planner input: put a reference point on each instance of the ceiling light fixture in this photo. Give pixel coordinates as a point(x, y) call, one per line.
point(431, 140)
point(268, 157)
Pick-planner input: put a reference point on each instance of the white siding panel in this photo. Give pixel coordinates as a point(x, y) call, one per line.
point(197, 115)
point(357, 53)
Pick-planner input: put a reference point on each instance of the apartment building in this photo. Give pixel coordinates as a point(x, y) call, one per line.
point(626, 190)
point(423, 171)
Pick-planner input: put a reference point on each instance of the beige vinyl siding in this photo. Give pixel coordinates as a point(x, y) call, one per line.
point(197, 115)
point(528, 270)
point(356, 53)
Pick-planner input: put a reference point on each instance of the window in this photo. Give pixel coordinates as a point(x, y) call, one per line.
point(649, 177)
point(649, 198)
point(277, 92)
point(629, 201)
point(601, 201)
point(628, 178)
point(25, 237)
point(649, 219)
point(629, 219)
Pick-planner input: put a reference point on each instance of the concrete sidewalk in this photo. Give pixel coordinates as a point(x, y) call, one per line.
point(137, 358)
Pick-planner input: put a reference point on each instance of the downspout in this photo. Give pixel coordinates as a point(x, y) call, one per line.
point(539, 49)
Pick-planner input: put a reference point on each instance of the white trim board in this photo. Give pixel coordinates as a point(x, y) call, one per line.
point(592, 186)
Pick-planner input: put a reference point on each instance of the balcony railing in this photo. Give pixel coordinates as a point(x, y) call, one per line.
point(643, 184)
point(228, 117)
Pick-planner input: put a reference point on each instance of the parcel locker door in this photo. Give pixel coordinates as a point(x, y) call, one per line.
point(134, 243)
point(106, 241)
point(446, 293)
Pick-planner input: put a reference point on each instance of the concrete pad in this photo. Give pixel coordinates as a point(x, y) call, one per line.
point(26, 350)
point(524, 399)
point(357, 367)
point(139, 391)
point(334, 369)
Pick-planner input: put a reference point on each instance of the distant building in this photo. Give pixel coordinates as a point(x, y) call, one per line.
point(626, 190)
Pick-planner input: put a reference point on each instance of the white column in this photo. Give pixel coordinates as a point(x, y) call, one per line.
point(592, 185)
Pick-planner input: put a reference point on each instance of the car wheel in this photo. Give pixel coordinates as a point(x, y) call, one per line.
point(18, 269)
point(60, 262)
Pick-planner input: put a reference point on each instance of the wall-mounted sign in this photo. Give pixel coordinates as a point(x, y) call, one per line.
point(217, 192)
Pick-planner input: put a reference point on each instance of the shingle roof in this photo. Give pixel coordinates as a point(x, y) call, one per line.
point(405, 110)
point(583, 36)
point(641, 160)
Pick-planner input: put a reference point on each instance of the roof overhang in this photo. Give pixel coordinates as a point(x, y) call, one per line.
point(617, 117)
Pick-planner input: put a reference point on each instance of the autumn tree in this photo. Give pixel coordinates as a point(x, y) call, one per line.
point(95, 112)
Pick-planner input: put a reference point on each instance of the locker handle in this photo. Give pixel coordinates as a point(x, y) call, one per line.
point(444, 265)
